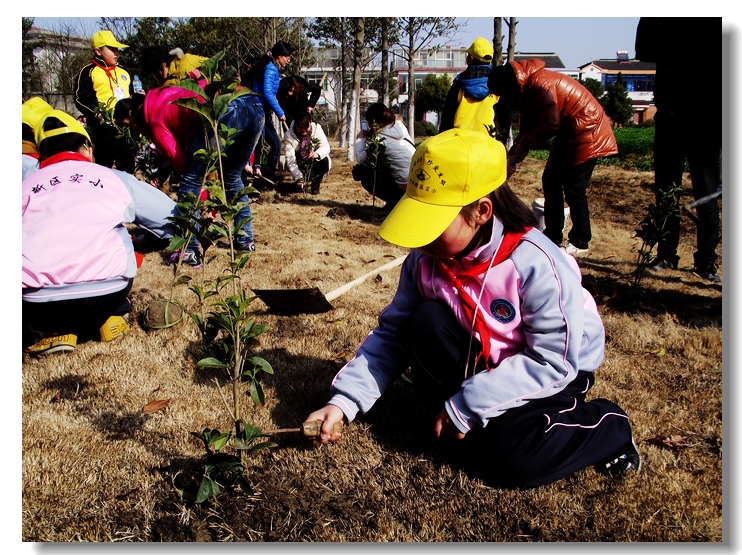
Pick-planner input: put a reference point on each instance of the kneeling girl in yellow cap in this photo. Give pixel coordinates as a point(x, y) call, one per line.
point(490, 316)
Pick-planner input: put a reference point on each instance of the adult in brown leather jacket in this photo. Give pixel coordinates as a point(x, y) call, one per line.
point(553, 105)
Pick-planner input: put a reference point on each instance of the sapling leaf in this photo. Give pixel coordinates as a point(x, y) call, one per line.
point(261, 363)
point(217, 440)
point(209, 488)
point(241, 482)
point(263, 445)
point(250, 432)
point(256, 392)
point(182, 279)
point(211, 362)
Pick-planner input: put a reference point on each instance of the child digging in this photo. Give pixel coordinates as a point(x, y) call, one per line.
point(491, 317)
point(78, 258)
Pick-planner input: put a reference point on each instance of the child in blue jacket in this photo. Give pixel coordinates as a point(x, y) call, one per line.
point(491, 317)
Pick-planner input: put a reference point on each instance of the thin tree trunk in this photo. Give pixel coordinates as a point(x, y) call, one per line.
point(497, 42)
point(385, 61)
point(356, 97)
point(511, 39)
point(343, 111)
point(411, 83)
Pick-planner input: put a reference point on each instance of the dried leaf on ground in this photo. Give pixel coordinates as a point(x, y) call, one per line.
point(154, 406)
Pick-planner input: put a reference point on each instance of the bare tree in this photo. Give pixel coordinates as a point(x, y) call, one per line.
point(64, 50)
point(497, 42)
point(511, 39)
point(356, 97)
point(419, 33)
point(385, 61)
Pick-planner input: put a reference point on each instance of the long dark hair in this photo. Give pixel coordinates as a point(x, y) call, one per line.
point(379, 113)
point(514, 214)
point(286, 84)
point(257, 69)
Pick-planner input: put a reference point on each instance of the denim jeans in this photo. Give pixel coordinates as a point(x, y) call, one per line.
point(245, 113)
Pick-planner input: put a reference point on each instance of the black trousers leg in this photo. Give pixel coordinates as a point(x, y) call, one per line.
point(537, 443)
point(575, 195)
point(548, 439)
point(82, 317)
point(436, 347)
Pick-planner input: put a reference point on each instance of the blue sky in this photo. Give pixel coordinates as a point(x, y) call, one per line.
point(576, 40)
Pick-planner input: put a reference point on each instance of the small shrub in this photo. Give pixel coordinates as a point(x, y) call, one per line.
point(425, 129)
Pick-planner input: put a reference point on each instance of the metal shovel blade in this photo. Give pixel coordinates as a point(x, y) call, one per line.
point(294, 301)
point(312, 301)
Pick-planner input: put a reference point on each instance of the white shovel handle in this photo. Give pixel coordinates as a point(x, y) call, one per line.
point(335, 293)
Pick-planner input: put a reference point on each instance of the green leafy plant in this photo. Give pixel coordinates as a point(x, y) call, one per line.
point(652, 228)
point(226, 322)
point(375, 148)
point(307, 161)
point(221, 470)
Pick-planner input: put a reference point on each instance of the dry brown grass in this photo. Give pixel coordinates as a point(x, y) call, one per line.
point(95, 468)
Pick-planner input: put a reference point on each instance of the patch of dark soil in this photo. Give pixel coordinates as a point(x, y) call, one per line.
point(619, 295)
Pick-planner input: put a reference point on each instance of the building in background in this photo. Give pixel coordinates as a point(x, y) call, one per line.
point(637, 78)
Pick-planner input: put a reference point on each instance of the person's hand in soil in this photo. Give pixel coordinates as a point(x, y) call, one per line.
point(329, 415)
point(444, 427)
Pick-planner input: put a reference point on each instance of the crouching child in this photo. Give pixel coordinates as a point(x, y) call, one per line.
point(78, 257)
point(490, 316)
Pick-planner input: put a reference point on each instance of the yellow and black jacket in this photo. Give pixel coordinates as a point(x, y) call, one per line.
point(97, 83)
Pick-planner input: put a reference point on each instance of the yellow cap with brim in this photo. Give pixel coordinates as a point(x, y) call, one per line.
point(481, 49)
point(447, 172)
point(71, 125)
point(33, 110)
point(106, 38)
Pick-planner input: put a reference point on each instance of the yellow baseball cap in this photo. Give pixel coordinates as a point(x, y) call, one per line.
point(106, 38)
point(71, 126)
point(481, 49)
point(448, 171)
point(33, 110)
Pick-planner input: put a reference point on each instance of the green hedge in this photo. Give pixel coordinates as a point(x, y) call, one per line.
point(635, 149)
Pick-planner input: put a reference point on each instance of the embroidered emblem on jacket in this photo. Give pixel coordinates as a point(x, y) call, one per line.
point(502, 310)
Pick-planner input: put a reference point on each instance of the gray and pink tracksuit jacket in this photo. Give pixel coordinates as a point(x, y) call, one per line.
point(75, 243)
point(545, 327)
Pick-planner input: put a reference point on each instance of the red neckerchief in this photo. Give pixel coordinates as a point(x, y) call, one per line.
point(110, 73)
point(509, 241)
point(61, 157)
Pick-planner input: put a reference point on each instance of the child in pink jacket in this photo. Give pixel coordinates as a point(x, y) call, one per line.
point(490, 316)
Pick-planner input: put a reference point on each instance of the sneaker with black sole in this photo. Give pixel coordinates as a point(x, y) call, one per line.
point(708, 273)
point(661, 264)
point(189, 257)
point(245, 247)
point(113, 328)
point(619, 466)
point(53, 344)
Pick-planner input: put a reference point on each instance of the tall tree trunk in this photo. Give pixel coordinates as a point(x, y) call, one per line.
point(497, 42)
point(343, 109)
point(511, 39)
point(355, 100)
point(385, 61)
point(411, 80)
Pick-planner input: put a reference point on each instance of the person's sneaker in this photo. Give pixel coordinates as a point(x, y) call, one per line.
point(708, 273)
point(113, 327)
point(662, 264)
point(189, 257)
point(53, 344)
point(618, 467)
point(575, 251)
point(245, 247)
